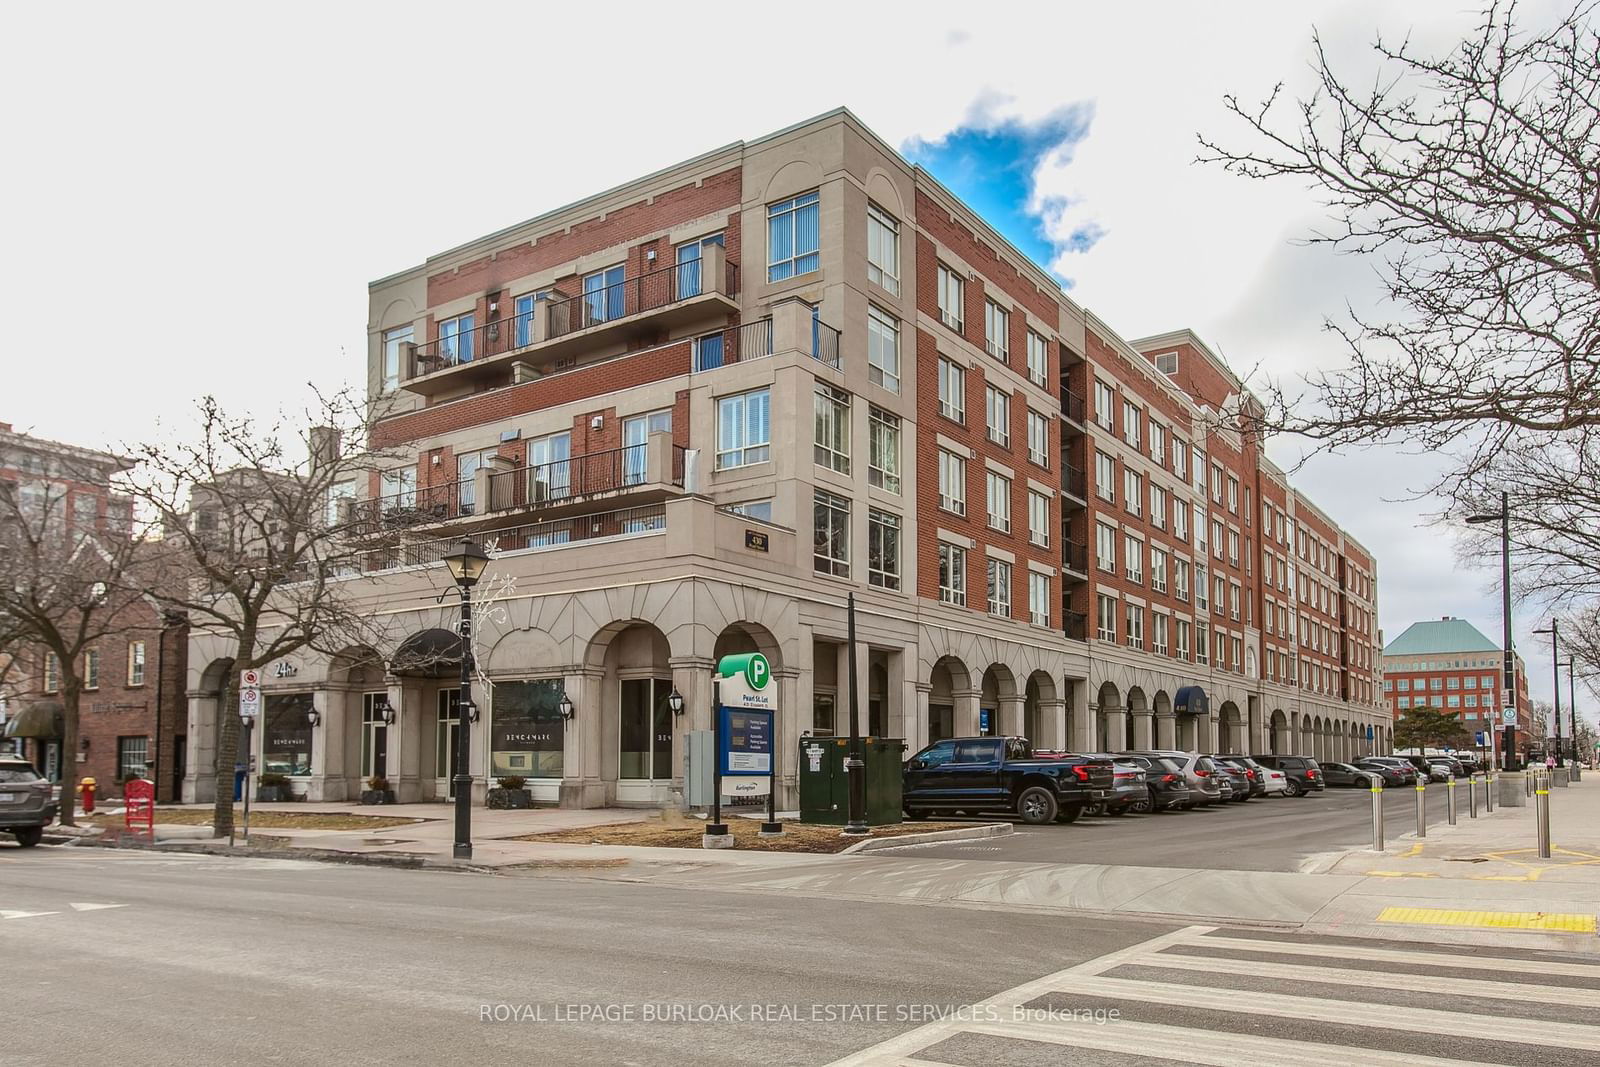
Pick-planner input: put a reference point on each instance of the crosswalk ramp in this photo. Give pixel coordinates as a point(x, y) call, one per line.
point(1201, 995)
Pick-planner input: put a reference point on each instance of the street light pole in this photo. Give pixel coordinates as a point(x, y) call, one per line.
point(1572, 709)
point(467, 565)
point(855, 765)
point(1509, 667)
point(1555, 668)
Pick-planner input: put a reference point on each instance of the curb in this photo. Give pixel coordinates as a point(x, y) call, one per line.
point(965, 833)
point(405, 860)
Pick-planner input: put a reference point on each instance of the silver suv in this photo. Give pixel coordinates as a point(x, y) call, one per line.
point(27, 801)
point(1199, 773)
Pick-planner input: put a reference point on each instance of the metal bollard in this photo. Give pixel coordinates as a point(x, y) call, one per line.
point(1422, 810)
point(1541, 800)
point(1527, 782)
point(1472, 796)
point(1377, 816)
point(1450, 801)
point(1488, 794)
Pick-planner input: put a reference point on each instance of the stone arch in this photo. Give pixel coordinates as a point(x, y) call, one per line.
point(1230, 728)
point(1162, 718)
point(398, 312)
point(949, 682)
point(353, 732)
point(629, 715)
point(204, 719)
point(998, 695)
point(795, 176)
point(741, 635)
point(881, 189)
point(1136, 723)
point(1108, 728)
point(1038, 691)
point(1278, 737)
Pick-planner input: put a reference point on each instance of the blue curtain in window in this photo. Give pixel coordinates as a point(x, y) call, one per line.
point(708, 352)
point(806, 235)
point(688, 270)
point(780, 246)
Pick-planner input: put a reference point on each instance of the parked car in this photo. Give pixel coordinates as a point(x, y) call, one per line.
point(27, 801)
point(1440, 772)
point(1168, 790)
point(1236, 776)
point(1457, 768)
point(1407, 772)
point(1253, 771)
point(1347, 774)
point(1303, 772)
point(1393, 777)
point(1002, 774)
point(1128, 788)
point(1277, 782)
point(1199, 774)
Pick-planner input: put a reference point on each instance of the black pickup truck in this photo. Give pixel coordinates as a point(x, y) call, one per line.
point(994, 774)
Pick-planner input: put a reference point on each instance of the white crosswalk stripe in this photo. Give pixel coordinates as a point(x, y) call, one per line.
point(1013, 1016)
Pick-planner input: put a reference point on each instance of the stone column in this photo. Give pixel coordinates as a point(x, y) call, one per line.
point(1143, 728)
point(1009, 712)
point(966, 711)
point(199, 776)
point(917, 727)
point(582, 781)
point(1166, 728)
point(327, 752)
point(1083, 719)
point(1052, 725)
point(691, 676)
point(1116, 731)
point(787, 740)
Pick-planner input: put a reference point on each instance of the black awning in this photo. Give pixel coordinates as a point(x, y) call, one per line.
point(42, 720)
point(1191, 700)
point(429, 654)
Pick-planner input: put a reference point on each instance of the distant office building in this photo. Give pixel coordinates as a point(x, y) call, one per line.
point(1448, 664)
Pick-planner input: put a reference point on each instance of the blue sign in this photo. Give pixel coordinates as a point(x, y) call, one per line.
point(746, 738)
point(1369, 732)
point(1479, 736)
point(985, 722)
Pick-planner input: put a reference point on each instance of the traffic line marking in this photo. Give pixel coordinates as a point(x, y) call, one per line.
point(1568, 923)
point(1408, 956)
point(7, 914)
point(96, 907)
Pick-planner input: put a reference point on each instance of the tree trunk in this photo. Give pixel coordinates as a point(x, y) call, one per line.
point(70, 691)
point(227, 752)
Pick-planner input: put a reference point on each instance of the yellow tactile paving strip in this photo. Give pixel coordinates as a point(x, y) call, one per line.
point(1505, 920)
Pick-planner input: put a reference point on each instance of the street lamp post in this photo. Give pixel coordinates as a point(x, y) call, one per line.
point(467, 565)
point(855, 766)
point(1555, 664)
point(1572, 709)
point(1509, 668)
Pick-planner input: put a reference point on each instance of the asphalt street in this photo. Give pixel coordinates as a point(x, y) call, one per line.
point(183, 959)
point(1264, 834)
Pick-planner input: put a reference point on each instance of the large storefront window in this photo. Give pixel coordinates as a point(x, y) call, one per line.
point(287, 745)
point(646, 729)
point(526, 736)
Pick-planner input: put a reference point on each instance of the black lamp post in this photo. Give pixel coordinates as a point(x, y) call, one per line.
point(467, 565)
point(1508, 671)
point(854, 765)
point(1555, 663)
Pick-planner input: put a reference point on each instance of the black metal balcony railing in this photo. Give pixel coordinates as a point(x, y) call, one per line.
point(1075, 624)
point(413, 507)
point(576, 476)
point(634, 296)
point(578, 528)
point(1073, 406)
point(569, 314)
point(1074, 481)
point(750, 340)
point(1074, 557)
point(825, 343)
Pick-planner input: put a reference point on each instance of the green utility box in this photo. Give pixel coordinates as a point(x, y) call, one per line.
point(825, 787)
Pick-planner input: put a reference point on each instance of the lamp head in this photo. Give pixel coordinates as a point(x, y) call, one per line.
point(567, 710)
point(467, 563)
point(675, 701)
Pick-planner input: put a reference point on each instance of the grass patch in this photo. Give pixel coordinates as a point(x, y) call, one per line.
point(797, 837)
point(267, 820)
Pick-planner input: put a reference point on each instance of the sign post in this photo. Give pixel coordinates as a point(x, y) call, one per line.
point(743, 705)
point(249, 708)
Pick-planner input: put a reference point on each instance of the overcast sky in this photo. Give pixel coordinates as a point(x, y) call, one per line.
point(197, 194)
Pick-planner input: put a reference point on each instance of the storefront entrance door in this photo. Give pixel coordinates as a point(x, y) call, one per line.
point(645, 737)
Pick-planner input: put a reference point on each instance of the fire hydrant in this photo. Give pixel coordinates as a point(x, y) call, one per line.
point(86, 788)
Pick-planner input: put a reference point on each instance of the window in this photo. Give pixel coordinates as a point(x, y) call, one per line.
point(1105, 477)
point(691, 280)
point(832, 419)
point(133, 757)
point(999, 502)
point(1106, 618)
point(399, 488)
point(1038, 439)
point(1233, 547)
point(1202, 643)
point(1487, 681)
point(1470, 682)
point(1158, 442)
point(394, 342)
point(522, 312)
point(1158, 637)
point(1158, 569)
point(1038, 519)
point(1130, 423)
point(1167, 363)
point(953, 574)
point(135, 662)
point(1199, 466)
point(1202, 594)
point(999, 588)
point(1180, 579)
point(752, 509)
point(1180, 521)
point(1233, 600)
point(1216, 483)
point(1452, 701)
point(91, 668)
point(52, 673)
point(1472, 700)
point(1134, 617)
point(952, 390)
point(1104, 404)
point(883, 449)
point(1133, 559)
point(604, 295)
point(831, 533)
point(996, 330)
point(883, 549)
point(1216, 538)
point(1105, 547)
point(883, 249)
point(455, 340)
point(1133, 491)
point(997, 415)
point(1221, 592)
point(883, 349)
point(1452, 683)
point(1038, 598)
point(1233, 494)
point(744, 429)
point(1436, 684)
point(1038, 359)
point(1158, 507)
point(952, 482)
point(1181, 643)
point(793, 237)
point(1180, 459)
point(951, 296)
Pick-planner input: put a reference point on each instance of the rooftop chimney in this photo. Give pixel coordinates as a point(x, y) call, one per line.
point(5, 427)
point(324, 446)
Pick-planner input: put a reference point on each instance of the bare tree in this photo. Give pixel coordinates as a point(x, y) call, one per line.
point(65, 585)
point(1472, 180)
point(263, 517)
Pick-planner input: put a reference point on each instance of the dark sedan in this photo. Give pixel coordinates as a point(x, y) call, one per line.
point(1392, 776)
point(1345, 774)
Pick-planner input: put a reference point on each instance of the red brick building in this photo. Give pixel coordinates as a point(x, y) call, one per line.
point(1449, 665)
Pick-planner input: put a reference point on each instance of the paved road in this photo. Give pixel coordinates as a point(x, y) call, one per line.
point(1264, 834)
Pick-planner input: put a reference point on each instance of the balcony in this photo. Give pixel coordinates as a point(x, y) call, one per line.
point(1073, 408)
point(1074, 557)
point(1075, 624)
point(1075, 484)
point(562, 325)
point(576, 529)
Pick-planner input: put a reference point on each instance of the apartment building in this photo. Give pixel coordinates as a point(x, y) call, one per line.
point(689, 416)
point(1449, 665)
point(131, 712)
